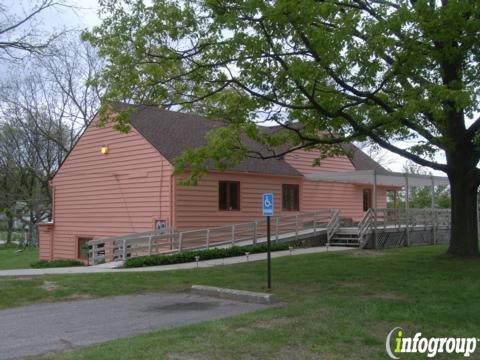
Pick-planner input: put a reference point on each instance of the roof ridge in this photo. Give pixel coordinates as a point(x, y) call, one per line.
point(180, 131)
point(173, 132)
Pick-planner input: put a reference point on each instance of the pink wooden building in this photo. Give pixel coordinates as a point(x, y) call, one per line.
point(113, 183)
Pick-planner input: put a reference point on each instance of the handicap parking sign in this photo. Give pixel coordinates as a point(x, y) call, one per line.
point(267, 204)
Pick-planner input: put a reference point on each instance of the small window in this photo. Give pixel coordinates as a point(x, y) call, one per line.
point(83, 247)
point(160, 224)
point(367, 199)
point(229, 195)
point(290, 197)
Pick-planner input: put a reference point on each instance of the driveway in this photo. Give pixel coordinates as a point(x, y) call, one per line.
point(37, 329)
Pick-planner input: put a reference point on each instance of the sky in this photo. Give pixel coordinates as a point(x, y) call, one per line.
point(83, 14)
point(76, 14)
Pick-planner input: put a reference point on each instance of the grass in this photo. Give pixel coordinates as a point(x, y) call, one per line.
point(10, 259)
point(336, 305)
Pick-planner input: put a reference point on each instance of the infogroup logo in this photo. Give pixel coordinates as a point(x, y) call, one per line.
point(397, 343)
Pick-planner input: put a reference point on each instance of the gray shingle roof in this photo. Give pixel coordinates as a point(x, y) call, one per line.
point(362, 161)
point(171, 133)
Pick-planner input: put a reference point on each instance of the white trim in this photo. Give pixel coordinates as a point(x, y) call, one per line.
point(365, 177)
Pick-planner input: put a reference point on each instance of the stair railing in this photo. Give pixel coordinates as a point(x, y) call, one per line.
point(333, 224)
point(364, 226)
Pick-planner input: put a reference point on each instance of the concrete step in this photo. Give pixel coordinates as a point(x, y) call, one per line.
point(344, 240)
point(347, 244)
point(347, 231)
point(356, 238)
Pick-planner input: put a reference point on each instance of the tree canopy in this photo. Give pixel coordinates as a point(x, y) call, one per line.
point(402, 73)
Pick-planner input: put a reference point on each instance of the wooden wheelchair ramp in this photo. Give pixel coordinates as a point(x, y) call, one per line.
point(284, 229)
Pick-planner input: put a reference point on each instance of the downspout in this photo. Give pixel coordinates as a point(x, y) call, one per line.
point(160, 196)
point(52, 237)
point(173, 215)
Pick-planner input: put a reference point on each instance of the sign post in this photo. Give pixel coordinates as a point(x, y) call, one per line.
point(267, 206)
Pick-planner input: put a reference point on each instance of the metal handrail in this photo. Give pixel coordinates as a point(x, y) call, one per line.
point(408, 220)
point(364, 226)
point(169, 230)
point(413, 217)
point(333, 224)
point(171, 240)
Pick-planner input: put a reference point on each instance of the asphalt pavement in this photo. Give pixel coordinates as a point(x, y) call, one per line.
point(52, 327)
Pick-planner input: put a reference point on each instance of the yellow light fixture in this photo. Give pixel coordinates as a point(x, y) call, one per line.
point(104, 150)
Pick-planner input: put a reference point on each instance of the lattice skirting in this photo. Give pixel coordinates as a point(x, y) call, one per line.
point(392, 239)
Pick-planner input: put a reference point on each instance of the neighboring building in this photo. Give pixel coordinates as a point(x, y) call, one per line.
point(130, 187)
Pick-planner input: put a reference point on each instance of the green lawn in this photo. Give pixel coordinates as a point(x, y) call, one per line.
point(10, 259)
point(336, 305)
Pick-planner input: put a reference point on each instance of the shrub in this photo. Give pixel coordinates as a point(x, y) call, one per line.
point(41, 264)
point(189, 256)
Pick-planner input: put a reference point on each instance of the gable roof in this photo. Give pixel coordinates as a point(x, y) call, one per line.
point(362, 161)
point(171, 133)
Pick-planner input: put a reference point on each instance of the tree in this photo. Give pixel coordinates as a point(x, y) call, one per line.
point(8, 190)
point(421, 197)
point(42, 114)
point(28, 159)
point(390, 71)
point(21, 33)
point(67, 76)
point(58, 86)
point(377, 153)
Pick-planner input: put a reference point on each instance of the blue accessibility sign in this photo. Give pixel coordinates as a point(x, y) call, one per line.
point(267, 204)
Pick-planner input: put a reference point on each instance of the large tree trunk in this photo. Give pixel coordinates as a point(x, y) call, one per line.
point(464, 231)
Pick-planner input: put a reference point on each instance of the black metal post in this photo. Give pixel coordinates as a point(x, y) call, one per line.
point(269, 259)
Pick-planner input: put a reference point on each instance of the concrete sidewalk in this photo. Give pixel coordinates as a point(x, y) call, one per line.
point(42, 328)
point(201, 264)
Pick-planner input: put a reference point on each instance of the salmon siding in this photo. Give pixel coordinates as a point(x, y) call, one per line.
point(198, 206)
point(330, 195)
point(130, 187)
point(98, 195)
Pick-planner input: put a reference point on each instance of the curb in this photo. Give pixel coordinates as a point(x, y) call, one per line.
point(232, 294)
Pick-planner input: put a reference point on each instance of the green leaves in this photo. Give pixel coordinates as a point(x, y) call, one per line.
point(391, 71)
point(224, 150)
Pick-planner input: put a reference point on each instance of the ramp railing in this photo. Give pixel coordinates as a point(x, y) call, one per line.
point(283, 228)
point(413, 218)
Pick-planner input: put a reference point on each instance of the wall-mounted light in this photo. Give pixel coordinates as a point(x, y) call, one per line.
point(104, 150)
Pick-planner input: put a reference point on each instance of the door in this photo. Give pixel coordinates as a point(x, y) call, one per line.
point(83, 247)
point(367, 199)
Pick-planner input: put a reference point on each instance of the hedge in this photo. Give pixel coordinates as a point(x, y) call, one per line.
point(189, 256)
point(41, 264)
